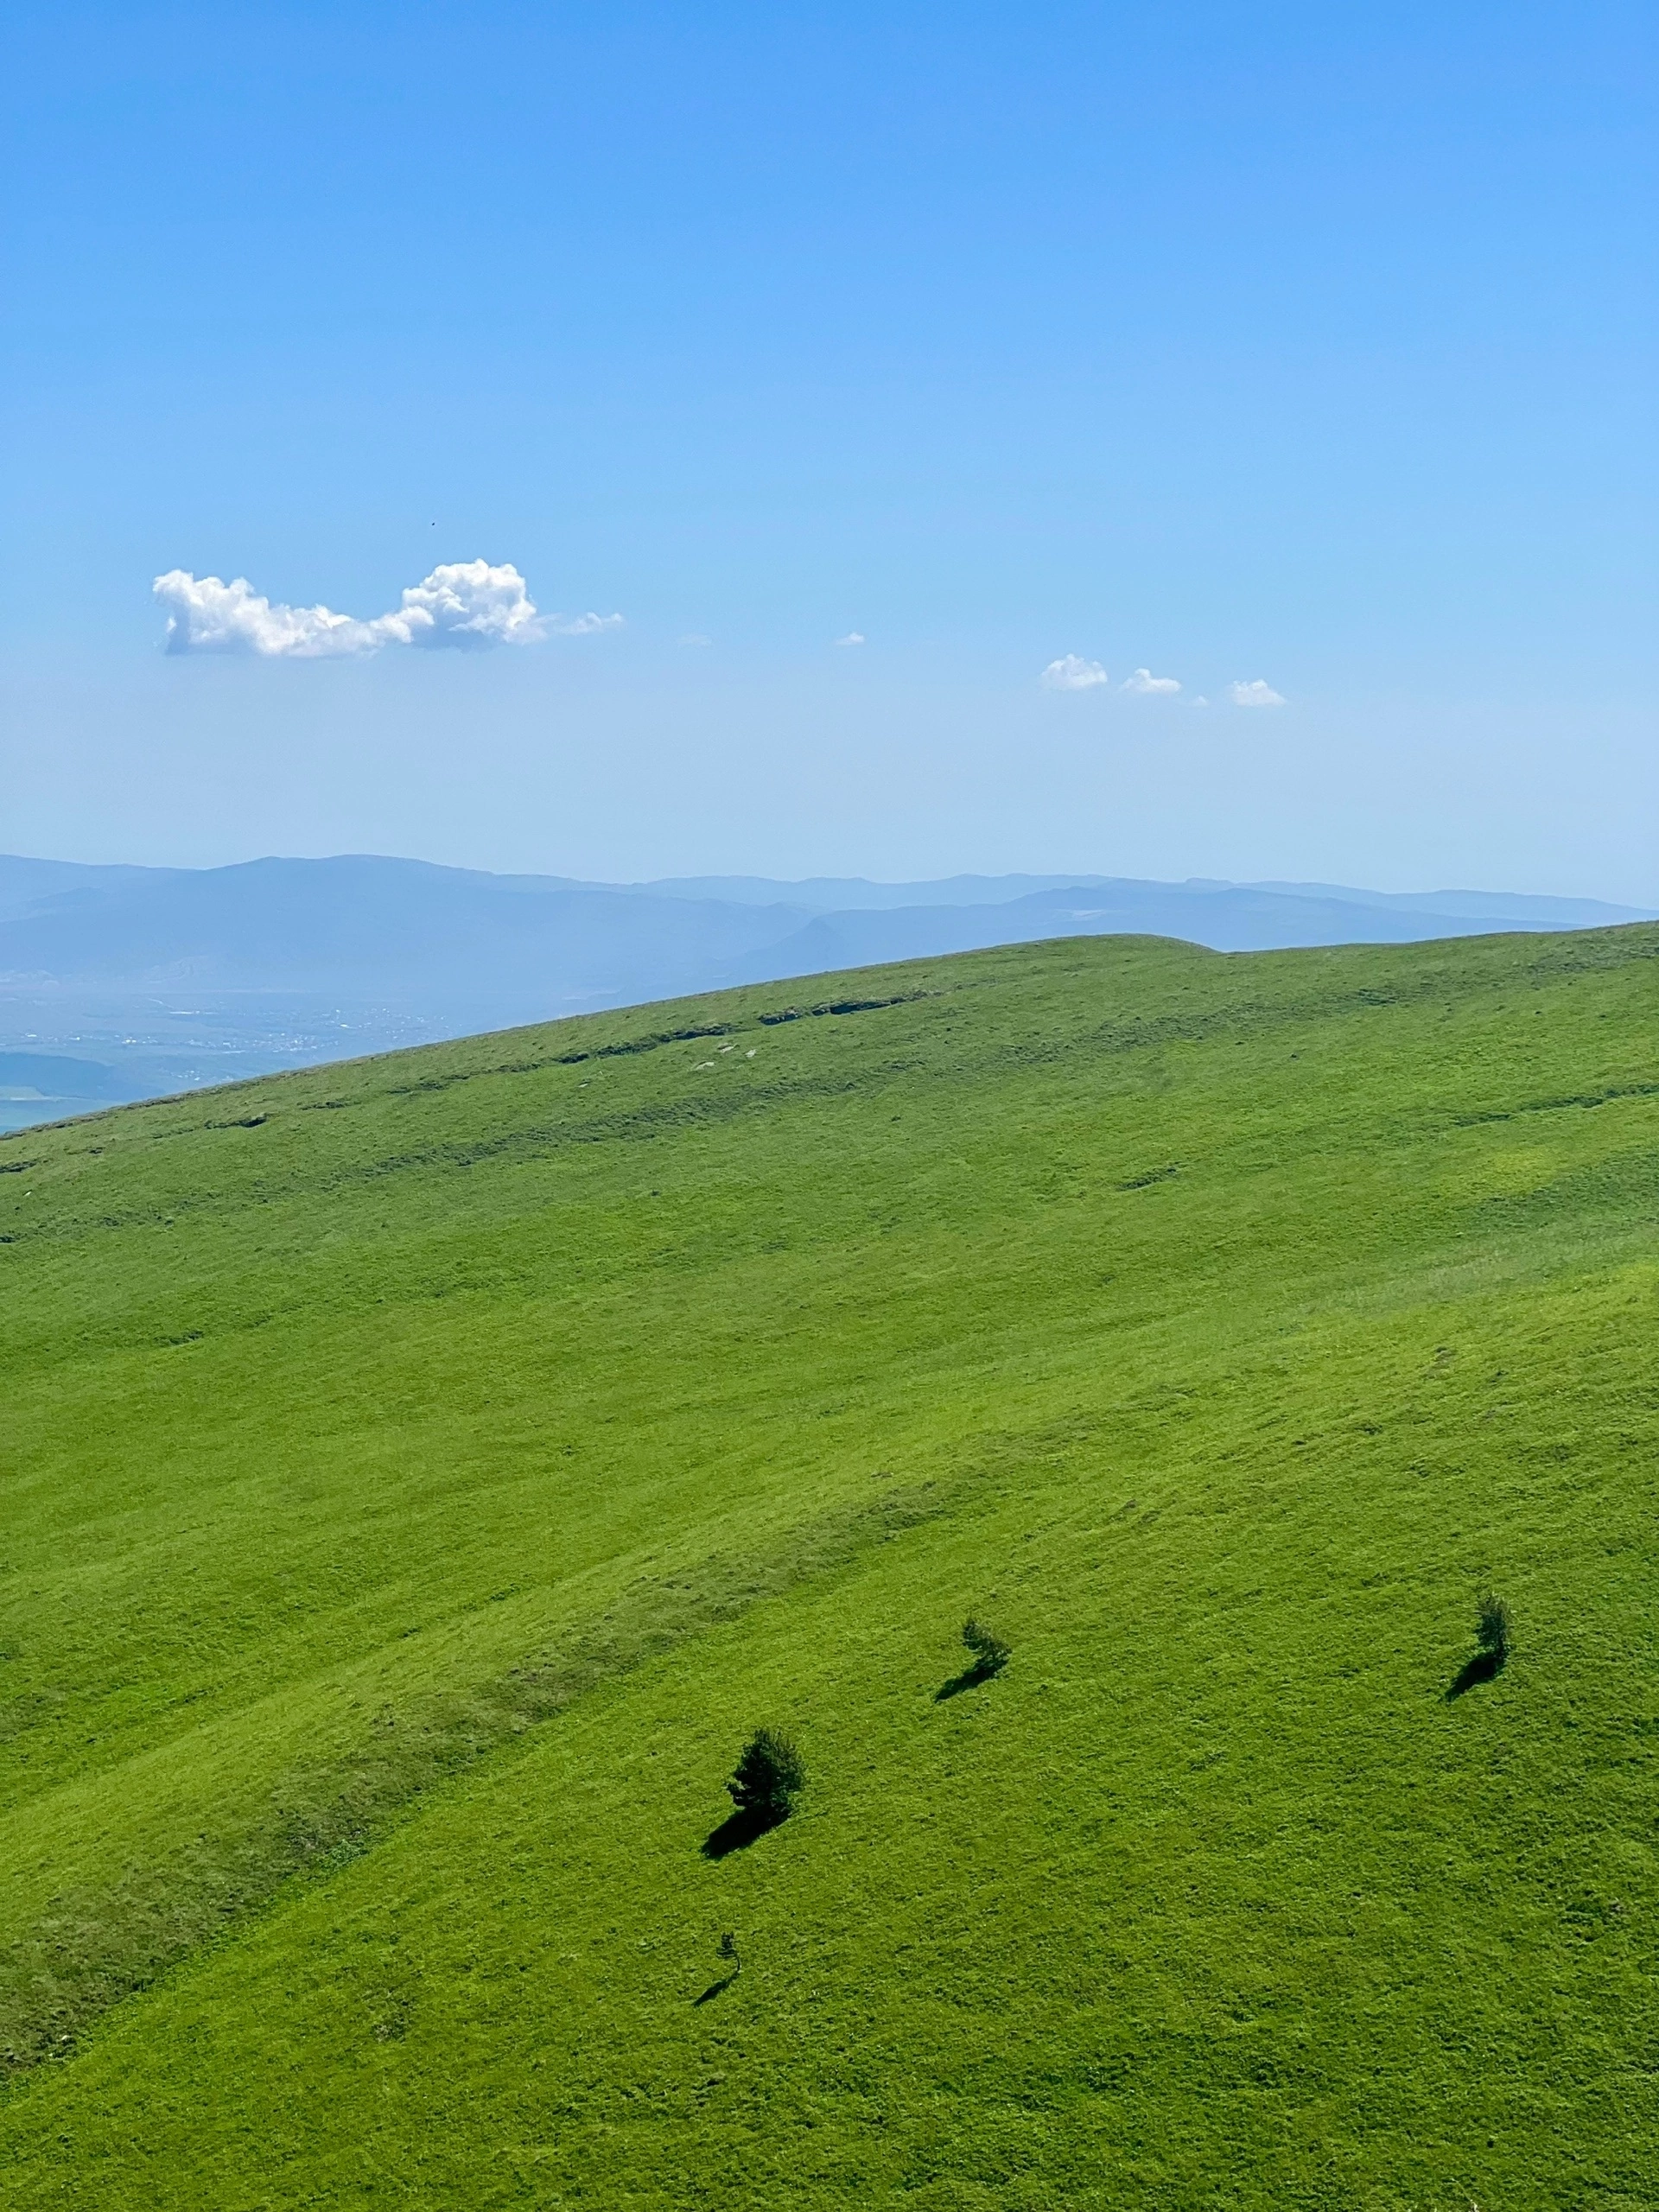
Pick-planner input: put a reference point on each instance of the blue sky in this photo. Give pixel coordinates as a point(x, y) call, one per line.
point(1240, 343)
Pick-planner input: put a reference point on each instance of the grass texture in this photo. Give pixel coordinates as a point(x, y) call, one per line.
point(421, 1476)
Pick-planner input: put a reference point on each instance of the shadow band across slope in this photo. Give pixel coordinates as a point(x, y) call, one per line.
point(98, 1946)
point(1242, 1702)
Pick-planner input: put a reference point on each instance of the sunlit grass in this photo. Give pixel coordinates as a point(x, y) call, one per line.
point(422, 1478)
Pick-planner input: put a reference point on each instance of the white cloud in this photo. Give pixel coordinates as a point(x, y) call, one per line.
point(1073, 673)
point(1255, 694)
point(1150, 686)
point(467, 603)
point(852, 638)
point(1200, 701)
point(582, 626)
point(696, 638)
point(211, 616)
point(461, 604)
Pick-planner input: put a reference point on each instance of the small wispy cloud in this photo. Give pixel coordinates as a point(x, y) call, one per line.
point(1150, 686)
point(852, 638)
point(1073, 673)
point(463, 605)
point(695, 637)
point(1255, 694)
point(581, 625)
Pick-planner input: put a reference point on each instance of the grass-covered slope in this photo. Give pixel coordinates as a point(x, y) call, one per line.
point(419, 1477)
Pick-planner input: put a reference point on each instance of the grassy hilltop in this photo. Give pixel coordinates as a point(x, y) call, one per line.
point(419, 1477)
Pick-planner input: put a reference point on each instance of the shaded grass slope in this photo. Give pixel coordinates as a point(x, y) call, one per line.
point(420, 1476)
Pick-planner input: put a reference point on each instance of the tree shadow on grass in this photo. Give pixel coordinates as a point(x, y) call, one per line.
point(1485, 1667)
point(737, 1831)
point(969, 1678)
point(715, 1989)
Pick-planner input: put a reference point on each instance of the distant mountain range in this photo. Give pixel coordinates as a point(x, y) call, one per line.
point(127, 982)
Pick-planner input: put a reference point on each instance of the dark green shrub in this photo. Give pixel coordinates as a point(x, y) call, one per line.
point(1493, 1629)
point(769, 1775)
point(990, 1654)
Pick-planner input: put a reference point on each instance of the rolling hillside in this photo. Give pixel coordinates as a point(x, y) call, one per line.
point(163, 980)
point(421, 1474)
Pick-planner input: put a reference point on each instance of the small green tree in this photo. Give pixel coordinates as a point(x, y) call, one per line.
point(771, 1773)
point(728, 1953)
point(1493, 1629)
point(990, 1654)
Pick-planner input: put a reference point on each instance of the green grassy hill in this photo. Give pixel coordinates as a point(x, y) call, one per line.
point(419, 1477)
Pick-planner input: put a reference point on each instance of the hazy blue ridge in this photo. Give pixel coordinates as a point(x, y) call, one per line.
point(1227, 918)
point(829, 894)
point(134, 982)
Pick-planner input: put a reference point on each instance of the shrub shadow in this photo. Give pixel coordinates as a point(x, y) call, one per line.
point(1482, 1668)
point(737, 1831)
point(969, 1678)
point(715, 1989)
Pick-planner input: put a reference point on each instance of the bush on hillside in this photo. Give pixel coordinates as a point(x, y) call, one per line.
point(990, 1654)
point(1493, 1629)
point(771, 1773)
